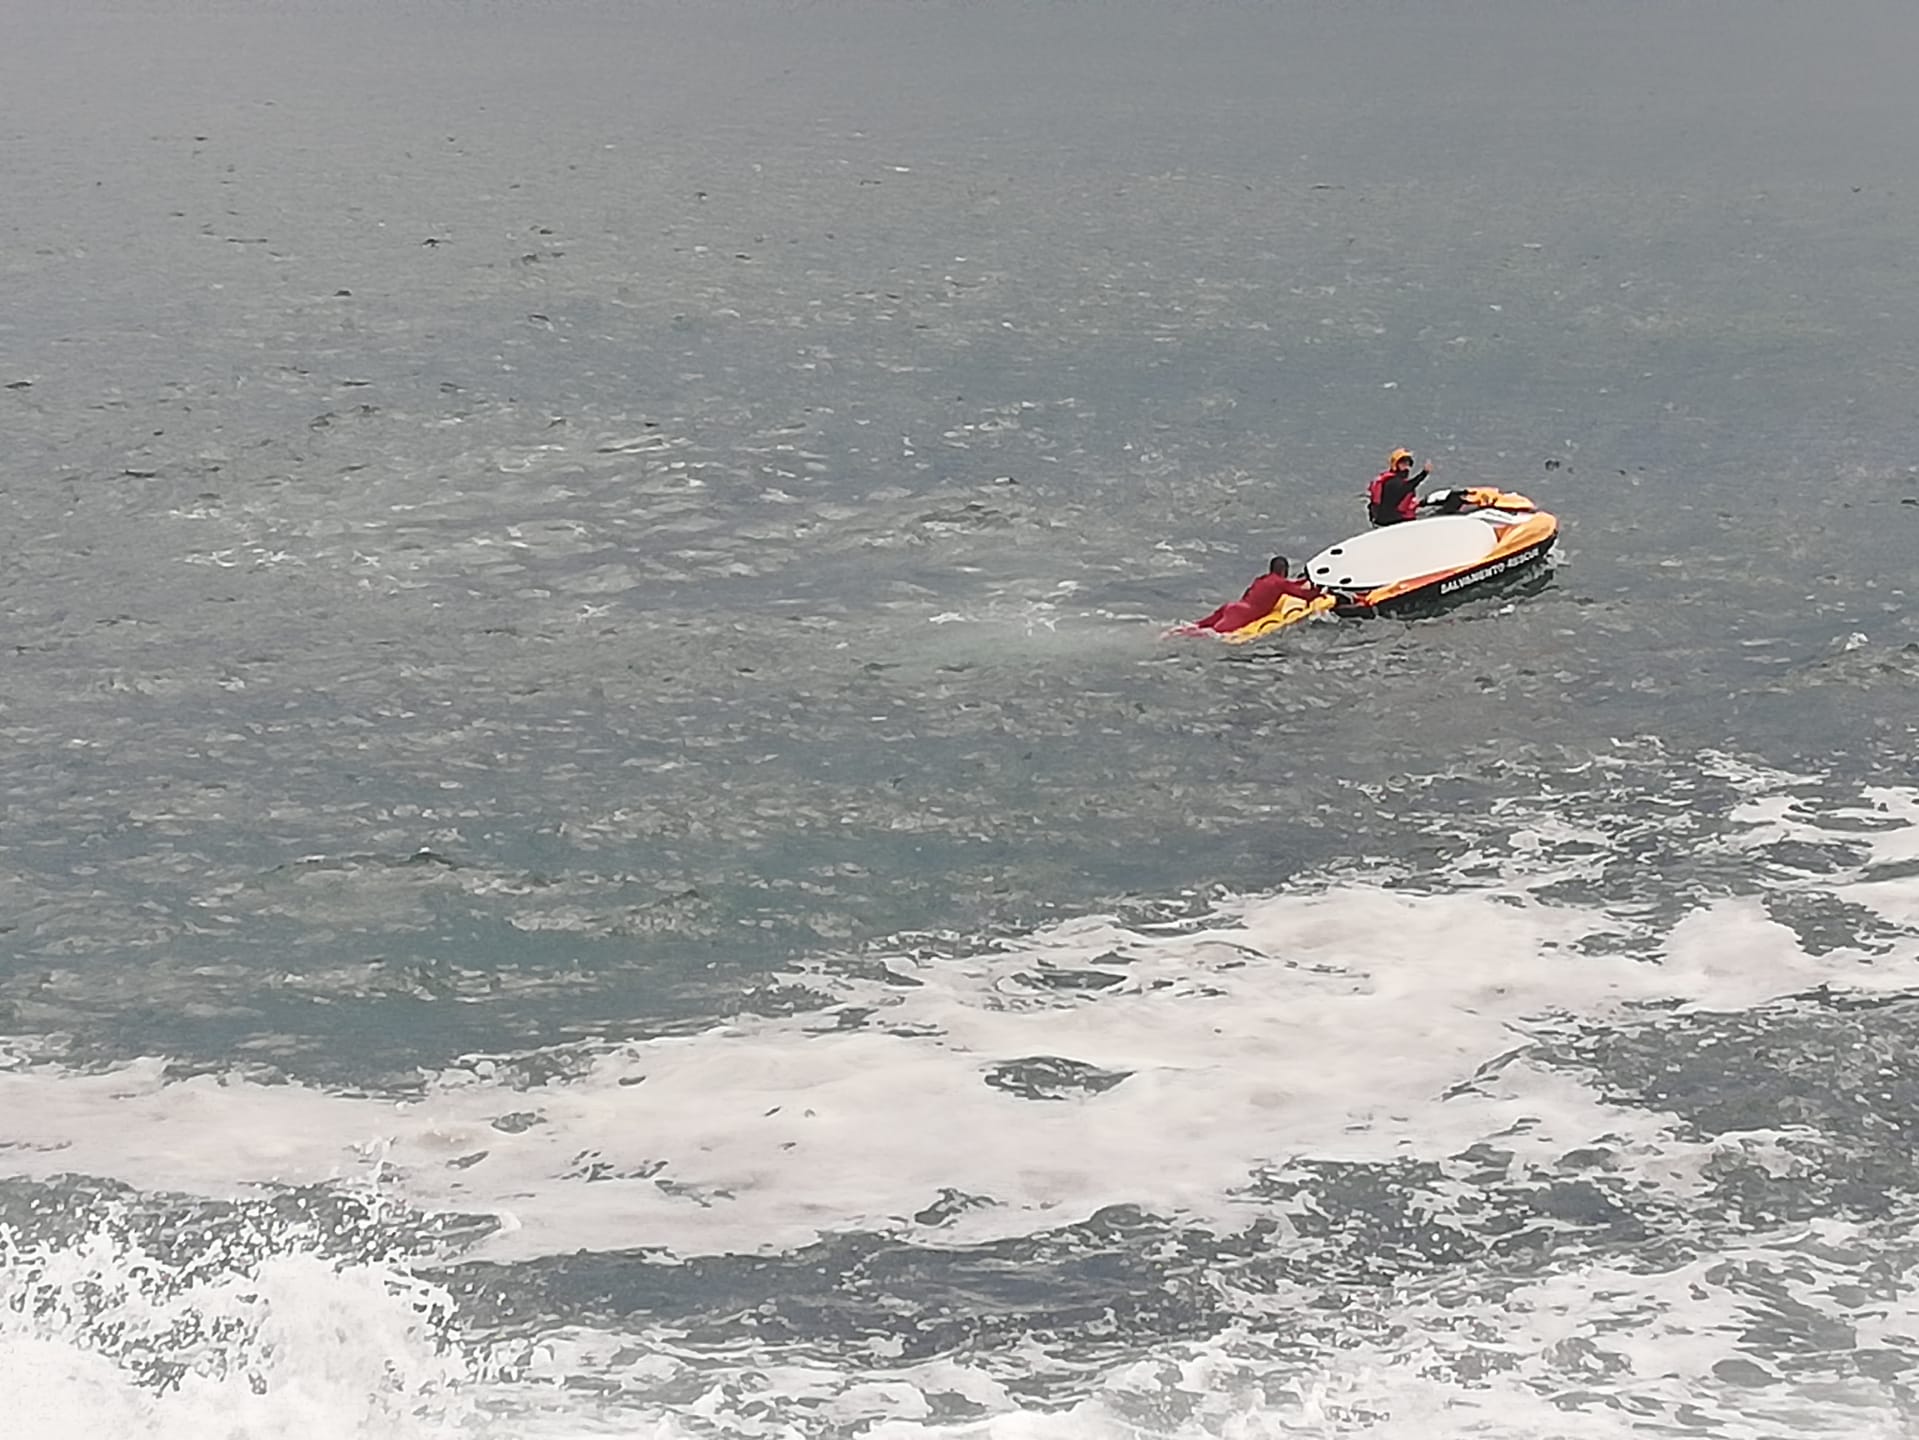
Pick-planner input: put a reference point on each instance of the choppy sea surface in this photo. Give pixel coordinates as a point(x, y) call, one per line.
point(602, 837)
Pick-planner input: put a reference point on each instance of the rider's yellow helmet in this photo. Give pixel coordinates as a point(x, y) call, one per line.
point(1398, 455)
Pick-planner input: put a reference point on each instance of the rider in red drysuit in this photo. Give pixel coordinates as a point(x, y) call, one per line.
point(1262, 597)
point(1394, 494)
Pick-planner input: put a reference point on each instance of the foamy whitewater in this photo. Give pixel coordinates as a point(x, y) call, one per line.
point(1543, 1252)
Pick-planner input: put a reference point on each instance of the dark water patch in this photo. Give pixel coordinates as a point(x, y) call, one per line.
point(1360, 1225)
point(1098, 1281)
point(1052, 1077)
point(1828, 1082)
point(1070, 980)
point(1824, 924)
point(195, 1237)
point(1331, 1244)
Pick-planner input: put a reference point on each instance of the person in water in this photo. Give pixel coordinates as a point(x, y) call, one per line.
point(1262, 597)
point(1394, 494)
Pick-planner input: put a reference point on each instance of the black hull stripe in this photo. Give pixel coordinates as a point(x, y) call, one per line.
point(1464, 582)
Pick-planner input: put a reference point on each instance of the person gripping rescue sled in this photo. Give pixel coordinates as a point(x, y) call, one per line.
point(1262, 597)
point(1394, 494)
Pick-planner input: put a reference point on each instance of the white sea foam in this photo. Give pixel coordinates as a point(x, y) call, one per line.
point(1322, 1025)
point(294, 1346)
point(1340, 1020)
point(102, 1340)
point(1802, 1332)
point(1337, 1023)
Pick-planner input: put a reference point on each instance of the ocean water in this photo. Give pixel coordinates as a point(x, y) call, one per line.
point(602, 837)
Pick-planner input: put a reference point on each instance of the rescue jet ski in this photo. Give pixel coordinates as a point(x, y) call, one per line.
point(1461, 540)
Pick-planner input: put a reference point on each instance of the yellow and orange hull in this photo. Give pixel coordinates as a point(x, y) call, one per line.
point(1288, 612)
point(1521, 546)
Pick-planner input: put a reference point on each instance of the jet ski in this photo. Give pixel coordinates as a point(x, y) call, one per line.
point(1461, 540)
